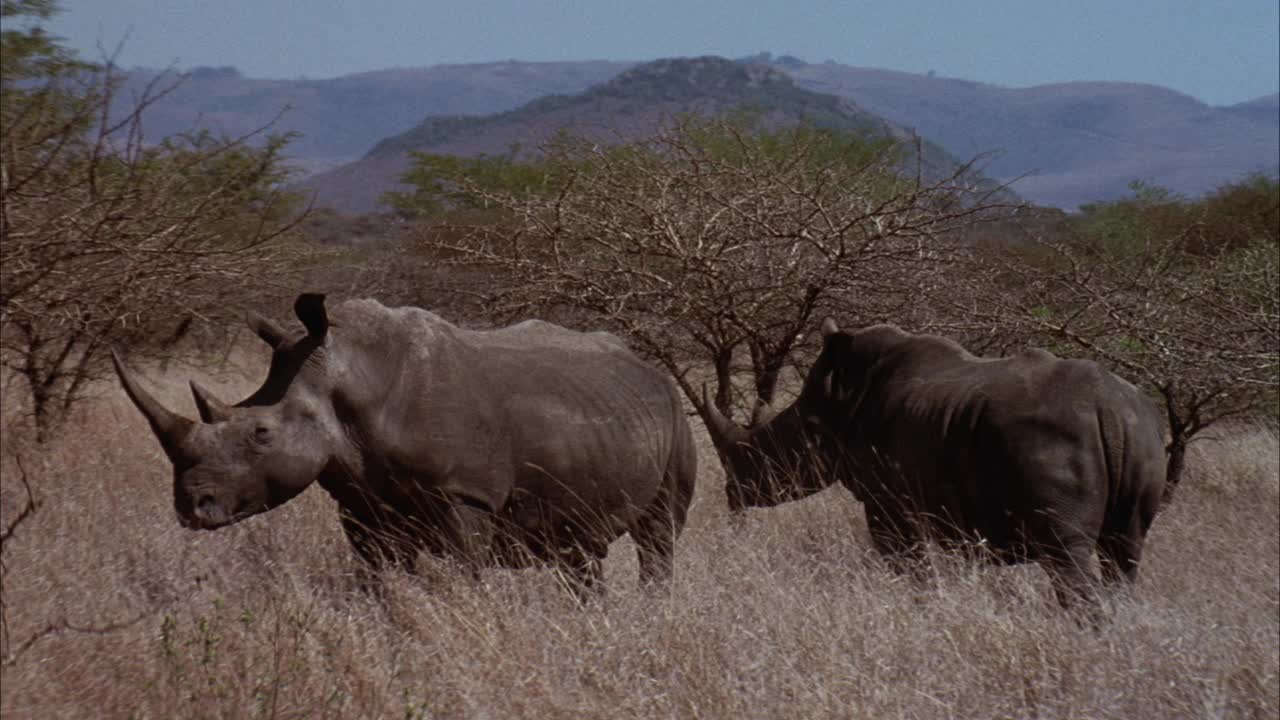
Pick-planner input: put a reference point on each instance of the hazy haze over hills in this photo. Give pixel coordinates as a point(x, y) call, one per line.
point(1070, 143)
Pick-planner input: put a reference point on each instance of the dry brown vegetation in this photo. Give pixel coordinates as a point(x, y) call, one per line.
point(113, 610)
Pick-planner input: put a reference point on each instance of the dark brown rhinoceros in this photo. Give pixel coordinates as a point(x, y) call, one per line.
point(531, 442)
point(1032, 456)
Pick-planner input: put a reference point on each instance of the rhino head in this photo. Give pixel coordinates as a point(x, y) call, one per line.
point(775, 459)
point(240, 460)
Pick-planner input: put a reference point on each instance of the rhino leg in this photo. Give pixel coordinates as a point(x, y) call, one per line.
point(1074, 583)
point(469, 531)
point(896, 539)
point(1120, 547)
point(1119, 551)
point(655, 548)
point(655, 537)
point(581, 569)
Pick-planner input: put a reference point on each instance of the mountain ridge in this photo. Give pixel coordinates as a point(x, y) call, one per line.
point(633, 104)
point(1074, 142)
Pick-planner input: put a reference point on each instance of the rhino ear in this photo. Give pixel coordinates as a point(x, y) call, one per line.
point(829, 327)
point(270, 333)
point(310, 310)
point(211, 409)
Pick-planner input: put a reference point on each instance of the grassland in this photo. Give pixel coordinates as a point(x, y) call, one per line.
point(113, 610)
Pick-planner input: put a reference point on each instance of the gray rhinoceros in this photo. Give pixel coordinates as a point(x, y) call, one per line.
point(1032, 456)
point(527, 443)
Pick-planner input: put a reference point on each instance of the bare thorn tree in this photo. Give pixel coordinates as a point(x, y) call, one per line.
point(110, 239)
point(712, 244)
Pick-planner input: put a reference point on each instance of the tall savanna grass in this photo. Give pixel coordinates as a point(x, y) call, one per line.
point(113, 610)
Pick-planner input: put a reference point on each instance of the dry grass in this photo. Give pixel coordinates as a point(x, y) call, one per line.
point(784, 615)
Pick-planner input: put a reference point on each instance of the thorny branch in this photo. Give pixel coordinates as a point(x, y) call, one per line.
point(713, 252)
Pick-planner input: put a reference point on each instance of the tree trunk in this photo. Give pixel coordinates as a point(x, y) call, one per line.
point(1177, 452)
point(724, 396)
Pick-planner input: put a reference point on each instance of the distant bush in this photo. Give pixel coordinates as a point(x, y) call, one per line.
point(1231, 217)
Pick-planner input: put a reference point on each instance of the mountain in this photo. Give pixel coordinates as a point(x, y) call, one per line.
point(1069, 143)
point(634, 103)
point(339, 119)
point(1265, 109)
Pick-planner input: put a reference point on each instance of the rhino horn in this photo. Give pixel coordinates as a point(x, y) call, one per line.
point(170, 428)
point(270, 333)
point(829, 327)
point(211, 409)
point(763, 413)
point(723, 430)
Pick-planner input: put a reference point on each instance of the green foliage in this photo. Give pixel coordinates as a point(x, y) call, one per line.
point(1124, 227)
point(238, 184)
point(1232, 217)
point(27, 52)
point(438, 181)
point(1241, 213)
point(819, 154)
point(41, 83)
point(445, 183)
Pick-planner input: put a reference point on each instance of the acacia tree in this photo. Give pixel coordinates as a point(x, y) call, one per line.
point(1182, 298)
point(109, 239)
point(713, 243)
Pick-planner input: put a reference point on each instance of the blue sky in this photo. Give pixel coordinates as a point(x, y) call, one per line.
point(1219, 52)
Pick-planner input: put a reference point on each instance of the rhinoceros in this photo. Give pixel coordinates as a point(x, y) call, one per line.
point(510, 446)
point(1031, 457)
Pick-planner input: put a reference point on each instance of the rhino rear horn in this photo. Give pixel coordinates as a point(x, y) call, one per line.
point(211, 409)
point(763, 413)
point(170, 428)
point(270, 333)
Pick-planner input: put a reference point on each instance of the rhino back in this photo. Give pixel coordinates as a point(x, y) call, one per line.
point(533, 414)
point(986, 440)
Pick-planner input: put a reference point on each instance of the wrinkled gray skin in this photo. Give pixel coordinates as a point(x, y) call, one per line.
point(529, 443)
point(1036, 457)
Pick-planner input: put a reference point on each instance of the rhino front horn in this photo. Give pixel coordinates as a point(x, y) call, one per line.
point(211, 409)
point(723, 430)
point(170, 428)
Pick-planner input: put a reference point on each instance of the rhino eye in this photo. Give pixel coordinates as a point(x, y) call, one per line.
point(262, 434)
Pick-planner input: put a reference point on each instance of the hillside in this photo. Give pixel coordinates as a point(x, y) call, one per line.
point(1265, 109)
point(1073, 142)
point(634, 103)
point(339, 119)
